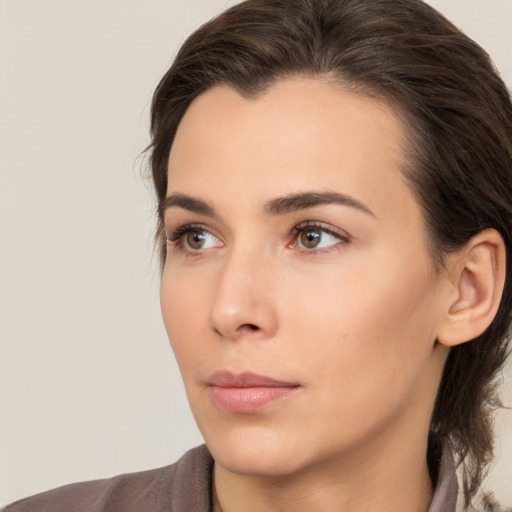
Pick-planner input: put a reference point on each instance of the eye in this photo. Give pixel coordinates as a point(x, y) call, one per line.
point(199, 240)
point(314, 237)
point(192, 239)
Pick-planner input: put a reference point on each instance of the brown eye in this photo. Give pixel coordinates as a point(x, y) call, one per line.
point(195, 239)
point(313, 237)
point(192, 239)
point(310, 238)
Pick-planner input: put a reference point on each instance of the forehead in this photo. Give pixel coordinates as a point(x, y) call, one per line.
point(301, 133)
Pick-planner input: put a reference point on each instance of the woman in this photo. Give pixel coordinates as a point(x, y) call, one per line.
point(333, 182)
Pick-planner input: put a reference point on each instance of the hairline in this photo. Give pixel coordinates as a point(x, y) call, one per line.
point(412, 145)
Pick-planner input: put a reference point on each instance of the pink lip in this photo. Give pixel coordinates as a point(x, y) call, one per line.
point(247, 392)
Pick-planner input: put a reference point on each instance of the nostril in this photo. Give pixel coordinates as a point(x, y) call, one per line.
point(251, 327)
point(240, 330)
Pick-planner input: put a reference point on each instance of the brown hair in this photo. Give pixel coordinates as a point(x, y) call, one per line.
point(459, 123)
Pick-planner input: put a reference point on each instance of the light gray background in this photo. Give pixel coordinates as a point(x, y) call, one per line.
point(88, 384)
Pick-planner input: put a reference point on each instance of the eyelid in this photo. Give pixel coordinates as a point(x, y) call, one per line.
point(175, 237)
point(338, 233)
point(322, 226)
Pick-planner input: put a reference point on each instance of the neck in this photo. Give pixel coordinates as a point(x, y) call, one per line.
point(383, 482)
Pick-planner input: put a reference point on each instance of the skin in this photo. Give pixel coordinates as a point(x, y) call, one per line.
point(352, 322)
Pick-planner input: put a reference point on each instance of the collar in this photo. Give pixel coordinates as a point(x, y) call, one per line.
point(446, 493)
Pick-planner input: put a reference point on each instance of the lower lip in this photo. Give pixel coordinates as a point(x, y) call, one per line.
point(251, 399)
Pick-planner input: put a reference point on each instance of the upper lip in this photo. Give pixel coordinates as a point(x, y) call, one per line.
point(226, 379)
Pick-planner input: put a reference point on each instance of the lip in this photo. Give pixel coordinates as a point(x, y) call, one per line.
point(247, 392)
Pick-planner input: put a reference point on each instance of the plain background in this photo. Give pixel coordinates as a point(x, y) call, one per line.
point(88, 385)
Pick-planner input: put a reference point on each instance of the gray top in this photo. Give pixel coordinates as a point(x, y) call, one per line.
point(447, 489)
point(184, 486)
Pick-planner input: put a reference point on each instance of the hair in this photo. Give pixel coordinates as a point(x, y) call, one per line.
point(458, 118)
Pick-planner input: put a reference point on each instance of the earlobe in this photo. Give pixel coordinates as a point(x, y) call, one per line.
point(477, 275)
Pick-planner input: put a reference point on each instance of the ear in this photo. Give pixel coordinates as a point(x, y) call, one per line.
point(477, 276)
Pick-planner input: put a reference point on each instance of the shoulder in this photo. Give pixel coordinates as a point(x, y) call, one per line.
point(449, 493)
point(179, 486)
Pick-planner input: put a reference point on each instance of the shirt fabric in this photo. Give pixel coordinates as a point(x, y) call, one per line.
point(184, 486)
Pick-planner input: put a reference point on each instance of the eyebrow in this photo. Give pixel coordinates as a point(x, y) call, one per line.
point(277, 206)
point(304, 200)
point(188, 203)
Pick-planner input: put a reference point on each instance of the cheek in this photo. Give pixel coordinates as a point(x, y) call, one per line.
point(378, 324)
point(370, 360)
point(184, 311)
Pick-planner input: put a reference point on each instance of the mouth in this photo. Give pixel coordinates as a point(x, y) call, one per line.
point(247, 392)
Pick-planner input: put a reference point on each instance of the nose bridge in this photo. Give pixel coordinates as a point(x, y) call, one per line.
point(243, 303)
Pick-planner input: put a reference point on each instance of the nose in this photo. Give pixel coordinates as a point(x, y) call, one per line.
point(243, 304)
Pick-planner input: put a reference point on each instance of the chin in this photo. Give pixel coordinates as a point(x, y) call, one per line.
point(261, 453)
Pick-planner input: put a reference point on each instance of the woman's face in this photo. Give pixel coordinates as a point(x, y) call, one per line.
point(298, 293)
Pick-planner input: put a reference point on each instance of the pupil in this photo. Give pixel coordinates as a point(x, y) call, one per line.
point(310, 239)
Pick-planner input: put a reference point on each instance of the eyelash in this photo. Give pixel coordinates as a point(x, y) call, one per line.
point(176, 238)
point(181, 231)
point(343, 237)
